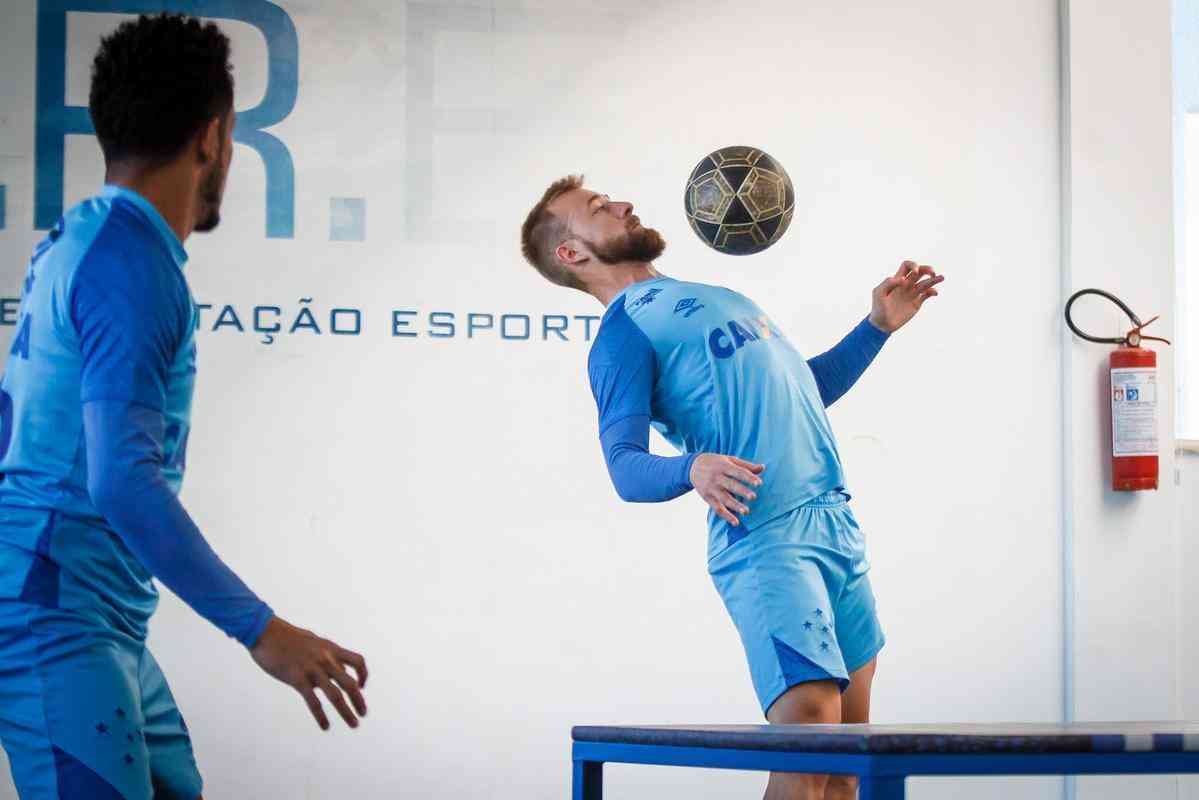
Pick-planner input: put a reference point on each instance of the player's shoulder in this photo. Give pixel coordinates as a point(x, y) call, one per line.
point(619, 337)
point(72, 239)
point(95, 234)
point(110, 241)
point(119, 275)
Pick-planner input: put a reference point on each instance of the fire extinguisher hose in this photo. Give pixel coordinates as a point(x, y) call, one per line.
point(1131, 339)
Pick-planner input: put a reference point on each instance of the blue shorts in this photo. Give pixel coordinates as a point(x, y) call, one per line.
point(85, 711)
point(798, 592)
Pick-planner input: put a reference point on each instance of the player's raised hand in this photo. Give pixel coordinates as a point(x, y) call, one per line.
point(897, 299)
point(726, 483)
point(306, 662)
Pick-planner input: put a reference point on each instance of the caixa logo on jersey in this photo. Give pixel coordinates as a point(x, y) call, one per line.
point(56, 120)
point(726, 340)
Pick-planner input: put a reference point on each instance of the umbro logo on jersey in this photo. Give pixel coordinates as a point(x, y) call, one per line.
point(647, 298)
point(688, 306)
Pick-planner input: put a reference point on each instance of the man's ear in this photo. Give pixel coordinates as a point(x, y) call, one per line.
point(208, 141)
point(572, 253)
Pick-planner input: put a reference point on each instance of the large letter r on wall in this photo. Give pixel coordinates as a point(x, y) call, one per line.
point(56, 120)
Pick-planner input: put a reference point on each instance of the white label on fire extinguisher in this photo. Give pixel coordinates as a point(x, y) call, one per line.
point(1134, 411)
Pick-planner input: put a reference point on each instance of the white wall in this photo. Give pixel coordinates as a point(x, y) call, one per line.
point(1187, 481)
point(1186, 191)
point(1120, 237)
point(1186, 236)
point(441, 504)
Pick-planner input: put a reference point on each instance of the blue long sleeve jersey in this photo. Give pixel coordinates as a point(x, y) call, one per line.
point(711, 372)
point(96, 408)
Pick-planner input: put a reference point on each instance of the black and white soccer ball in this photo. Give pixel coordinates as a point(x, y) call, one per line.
point(739, 200)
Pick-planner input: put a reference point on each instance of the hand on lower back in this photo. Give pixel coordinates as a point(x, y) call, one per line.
point(726, 483)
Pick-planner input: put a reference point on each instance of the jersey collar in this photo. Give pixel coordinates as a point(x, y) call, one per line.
point(174, 246)
point(635, 286)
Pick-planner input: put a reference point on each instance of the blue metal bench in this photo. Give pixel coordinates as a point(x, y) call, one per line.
point(883, 756)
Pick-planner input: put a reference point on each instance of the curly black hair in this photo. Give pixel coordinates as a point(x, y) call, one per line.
point(156, 82)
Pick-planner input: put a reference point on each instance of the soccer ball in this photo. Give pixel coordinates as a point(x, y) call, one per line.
point(739, 200)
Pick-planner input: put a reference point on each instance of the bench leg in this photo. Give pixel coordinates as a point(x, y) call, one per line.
point(889, 788)
point(588, 780)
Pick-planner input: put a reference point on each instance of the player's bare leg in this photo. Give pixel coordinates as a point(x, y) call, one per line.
point(855, 708)
point(814, 702)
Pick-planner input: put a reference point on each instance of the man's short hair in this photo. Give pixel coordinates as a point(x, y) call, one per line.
point(156, 82)
point(544, 230)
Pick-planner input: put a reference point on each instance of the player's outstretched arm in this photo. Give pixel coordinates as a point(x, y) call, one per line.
point(125, 481)
point(133, 320)
point(894, 302)
point(838, 369)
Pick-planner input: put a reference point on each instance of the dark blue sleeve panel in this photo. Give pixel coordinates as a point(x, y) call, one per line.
point(838, 369)
point(126, 485)
point(124, 467)
point(638, 475)
point(621, 369)
point(130, 315)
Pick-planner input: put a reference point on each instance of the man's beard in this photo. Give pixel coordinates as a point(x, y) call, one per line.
point(210, 199)
point(637, 244)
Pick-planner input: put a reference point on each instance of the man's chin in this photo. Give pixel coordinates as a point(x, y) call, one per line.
point(650, 243)
point(209, 223)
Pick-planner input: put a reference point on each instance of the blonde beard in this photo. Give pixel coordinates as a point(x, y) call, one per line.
point(644, 244)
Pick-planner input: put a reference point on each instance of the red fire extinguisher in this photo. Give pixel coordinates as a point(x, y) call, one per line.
point(1134, 395)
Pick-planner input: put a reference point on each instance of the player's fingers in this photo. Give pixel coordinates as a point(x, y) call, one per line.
point(749, 465)
point(730, 502)
point(339, 702)
point(923, 286)
point(738, 488)
point(905, 268)
point(745, 476)
point(356, 662)
point(927, 289)
point(348, 685)
point(925, 296)
point(926, 271)
point(721, 511)
point(314, 706)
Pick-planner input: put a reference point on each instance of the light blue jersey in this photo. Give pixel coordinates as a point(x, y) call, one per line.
point(716, 375)
point(42, 453)
point(713, 374)
point(105, 333)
